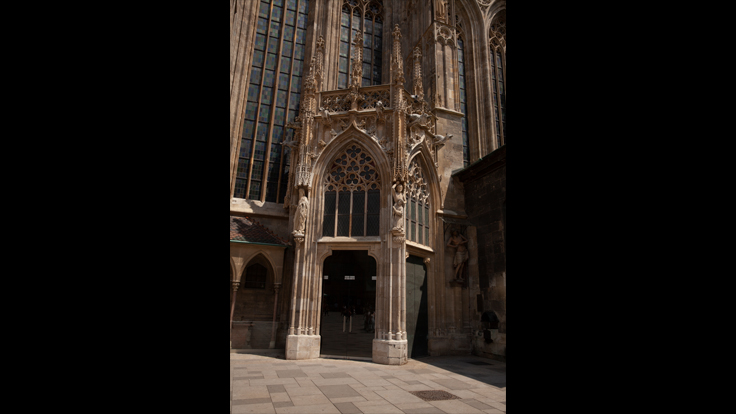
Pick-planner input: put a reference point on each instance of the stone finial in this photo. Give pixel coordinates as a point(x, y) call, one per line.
point(318, 73)
point(357, 72)
point(309, 81)
point(397, 64)
point(321, 43)
point(397, 32)
point(418, 88)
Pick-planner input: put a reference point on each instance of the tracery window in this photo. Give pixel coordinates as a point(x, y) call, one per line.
point(417, 208)
point(357, 15)
point(255, 277)
point(498, 76)
point(273, 100)
point(352, 196)
point(463, 97)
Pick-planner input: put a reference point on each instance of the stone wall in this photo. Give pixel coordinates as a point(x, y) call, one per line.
point(485, 201)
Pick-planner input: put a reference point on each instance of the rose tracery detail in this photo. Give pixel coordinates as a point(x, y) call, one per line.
point(352, 195)
point(351, 171)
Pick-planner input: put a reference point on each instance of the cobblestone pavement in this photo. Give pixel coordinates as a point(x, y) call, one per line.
point(270, 384)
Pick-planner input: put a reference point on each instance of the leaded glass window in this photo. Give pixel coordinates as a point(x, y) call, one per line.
point(255, 277)
point(498, 76)
point(272, 100)
point(357, 16)
point(352, 196)
point(463, 98)
point(417, 218)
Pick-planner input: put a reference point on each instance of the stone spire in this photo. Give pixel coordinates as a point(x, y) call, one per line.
point(356, 75)
point(307, 112)
point(418, 88)
point(397, 62)
point(318, 73)
point(400, 107)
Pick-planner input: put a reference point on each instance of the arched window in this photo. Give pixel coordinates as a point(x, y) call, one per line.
point(352, 196)
point(255, 277)
point(463, 97)
point(417, 216)
point(498, 74)
point(273, 99)
point(357, 15)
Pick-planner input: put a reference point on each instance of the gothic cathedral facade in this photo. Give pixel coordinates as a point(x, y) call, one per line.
point(368, 178)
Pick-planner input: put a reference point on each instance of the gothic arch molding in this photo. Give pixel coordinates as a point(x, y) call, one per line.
point(427, 165)
point(234, 269)
point(372, 252)
point(338, 144)
point(475, 37)
point(267, 258)
point(495, 8)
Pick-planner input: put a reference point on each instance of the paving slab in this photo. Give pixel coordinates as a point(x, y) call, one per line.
point(266, 383)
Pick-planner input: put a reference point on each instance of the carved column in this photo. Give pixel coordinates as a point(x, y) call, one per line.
point(417, 79)
point(235, 285)
point(390, 346)
point(276, 287)
point(301, 342)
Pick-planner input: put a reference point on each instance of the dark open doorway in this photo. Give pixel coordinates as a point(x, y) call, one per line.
point(348, 296)
point(417, 322)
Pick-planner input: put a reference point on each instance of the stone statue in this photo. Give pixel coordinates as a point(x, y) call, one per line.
point(399, 201)
point(441, 10)
point(300, 220)
point(420, 119)
point(291, 143)
point(379, 111)
point(439, 139)
point(461, 255)
point(325, 116)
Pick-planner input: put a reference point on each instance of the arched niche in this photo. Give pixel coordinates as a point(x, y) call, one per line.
point(255, 303)
point(339, 145)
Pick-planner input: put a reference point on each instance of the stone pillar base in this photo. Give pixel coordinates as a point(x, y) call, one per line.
point(390, 352)
point(302, 346)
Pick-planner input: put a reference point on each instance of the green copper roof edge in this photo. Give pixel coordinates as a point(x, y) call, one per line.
point(264, 244)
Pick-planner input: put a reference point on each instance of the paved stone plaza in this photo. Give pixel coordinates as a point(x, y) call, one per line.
point(262, 382)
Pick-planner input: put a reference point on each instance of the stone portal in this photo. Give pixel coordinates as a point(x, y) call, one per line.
point(348, 304)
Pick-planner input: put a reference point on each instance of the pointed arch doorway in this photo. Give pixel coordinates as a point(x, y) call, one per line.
point(348, 284)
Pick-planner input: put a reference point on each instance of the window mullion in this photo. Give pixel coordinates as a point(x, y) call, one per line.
point(258, 107)
point(350, 216)
point(337, 210)
point(498, 100)
point(274, 94)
